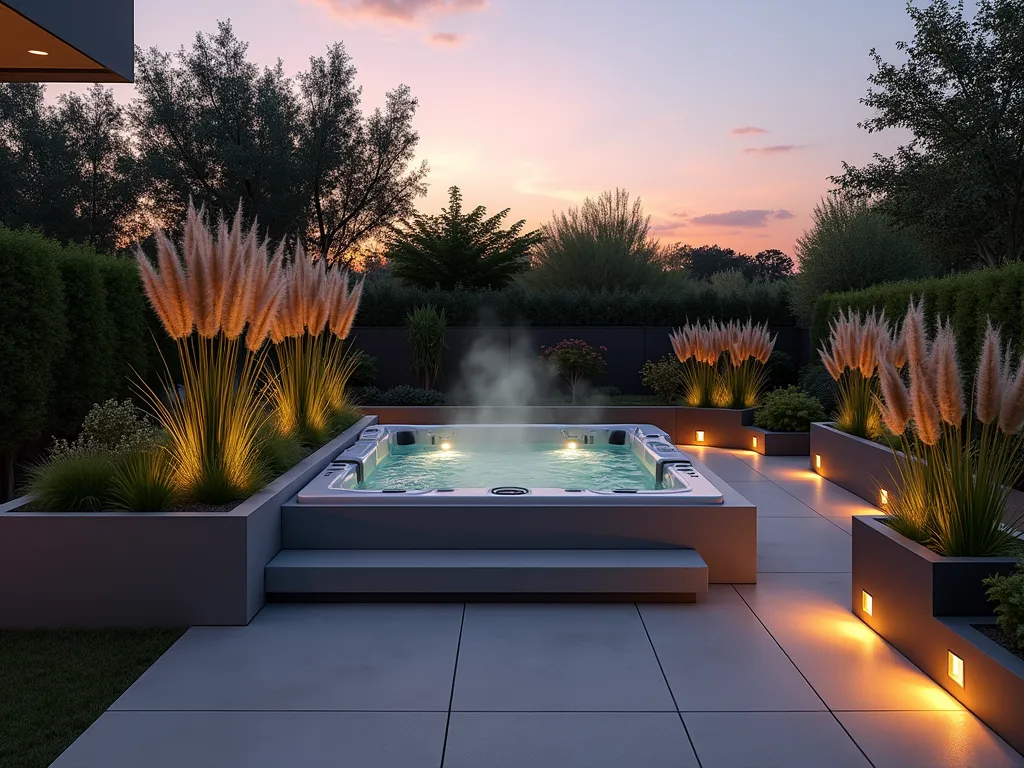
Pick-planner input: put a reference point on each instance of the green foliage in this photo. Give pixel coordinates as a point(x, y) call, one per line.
point(278, 452)
point(857, 405)
point(366, 370)
point(816, 382)
point(460, 250)
point(780, 370)
point(575, 360)
point(344, 418)
point(32, 334)
point(960, 179)
point(850, 246)
point(1007, 592)
point(788, 410)
point(400, 395)
point(126, 306)
point(603, 244)
point(114, 428)
point(665, 378)
point(143, 482)
point(426, 329)
point(74, 482)
point(387, 302)
point(87, 361)
point(968, 299)
point(771, 264)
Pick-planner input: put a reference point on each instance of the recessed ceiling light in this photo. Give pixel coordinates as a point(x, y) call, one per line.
point(38, 53)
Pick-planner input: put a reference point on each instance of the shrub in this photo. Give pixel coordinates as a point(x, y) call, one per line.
point(852, 245)
point(126, 306)
point(788, 410)
point(366, 370)
point(575, 360)
point(426, 329)
point(86, 364)
point(665, 378)
point(602, 244)
point(816, 382)
point(143, 482)
point(780, 370)
point(115, 428)
point(406, 395)
point(1007, 592)
point(74, 482)
point(32, 334)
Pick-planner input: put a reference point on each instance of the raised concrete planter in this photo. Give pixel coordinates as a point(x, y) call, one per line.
point(778, 443)
point(722, 427)
point(924, 604)
point(139, 569)
point(861, 466)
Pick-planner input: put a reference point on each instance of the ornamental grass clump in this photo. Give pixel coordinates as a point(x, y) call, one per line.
point(318, 308)
point(957, 464)
point(723, 364)
point(856, 345)
point(217, 295)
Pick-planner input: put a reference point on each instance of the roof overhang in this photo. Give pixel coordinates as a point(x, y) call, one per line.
point(67, 41)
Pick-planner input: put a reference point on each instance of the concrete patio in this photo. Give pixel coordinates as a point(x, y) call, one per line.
point(777, 675)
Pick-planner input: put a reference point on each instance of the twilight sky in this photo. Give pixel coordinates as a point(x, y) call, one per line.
point(725, 116)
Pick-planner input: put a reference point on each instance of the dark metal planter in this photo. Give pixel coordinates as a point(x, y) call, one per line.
point(860, 466)
point(923, 603)
point(146, 569)
point(778, 443)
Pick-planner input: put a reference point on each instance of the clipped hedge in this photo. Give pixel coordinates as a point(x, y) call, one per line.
point(128, 309)
point(387, 302)
point(967, 299)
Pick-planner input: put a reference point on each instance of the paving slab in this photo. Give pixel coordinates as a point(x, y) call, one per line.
point(259, 740)
point(310, 657)
point(718, 657)
point(928, 740)
point(801, 544)
point(533, 658)
point(847, 664)
point(567, 740)
point(772, 740)
point(772, 501)
point(726, 466)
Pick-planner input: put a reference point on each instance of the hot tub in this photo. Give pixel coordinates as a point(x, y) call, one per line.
point(585, 465)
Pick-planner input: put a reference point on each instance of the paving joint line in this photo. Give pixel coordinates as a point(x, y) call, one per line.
point(451, 696)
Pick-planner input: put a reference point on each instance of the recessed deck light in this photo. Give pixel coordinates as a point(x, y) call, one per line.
point(700, 435)
point(754, 440)
point(38, 53)
point(955, 668)
point(817, 461)
point(867, 603)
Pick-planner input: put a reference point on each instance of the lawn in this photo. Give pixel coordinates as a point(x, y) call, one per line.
point(55, 683)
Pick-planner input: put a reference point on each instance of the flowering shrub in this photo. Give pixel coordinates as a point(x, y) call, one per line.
point(575, 360)
point(113, 427)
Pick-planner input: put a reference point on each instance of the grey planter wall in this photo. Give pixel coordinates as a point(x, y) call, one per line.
point(923, 604)
point(628, 349)
point(170, 569)
point(778, 443)
point(860, 466)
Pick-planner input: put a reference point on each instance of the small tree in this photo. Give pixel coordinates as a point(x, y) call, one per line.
point(460, 250)
point(575, 360)
point(426, 326)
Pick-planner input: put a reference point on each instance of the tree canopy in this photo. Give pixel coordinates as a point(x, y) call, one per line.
point(960, 180)
point(460, 250)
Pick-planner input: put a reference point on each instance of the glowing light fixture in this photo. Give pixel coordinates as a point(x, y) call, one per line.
point(867, 603)
point(955, 668)
point(446, 446)
point(754, 439)
point(884, 495)
point(817, 461)
point(571, 445)
point(38, 53)
point(700, 435)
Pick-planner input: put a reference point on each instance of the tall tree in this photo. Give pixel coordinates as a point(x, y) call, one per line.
point(960, 92)
point(460, 250)
point(771, 264)
point(704, 261)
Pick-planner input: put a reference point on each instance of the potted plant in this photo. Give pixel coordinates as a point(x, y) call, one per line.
point(782, 422)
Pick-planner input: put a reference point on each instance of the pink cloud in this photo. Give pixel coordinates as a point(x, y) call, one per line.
point(744, 218)
point(400, 11)
point(445, 39)
point(776, 149)
point(747, 131)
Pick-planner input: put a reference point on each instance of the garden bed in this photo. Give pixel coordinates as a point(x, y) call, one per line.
point(147, 569)
point(925, 605)
point(861, 466)
point(778, 443)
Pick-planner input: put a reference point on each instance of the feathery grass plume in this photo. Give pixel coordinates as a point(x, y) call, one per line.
point(852, 356)
point(743, 376)
point(199, 254)
point(874, 329)
point(895, 399)
point(948, 384)
point(166, 289)
point(236, 296)
point(1011, 412)
point(345, 305)
point(264, 294)
point(988, 401)
point(954, 478)
point(698, 347)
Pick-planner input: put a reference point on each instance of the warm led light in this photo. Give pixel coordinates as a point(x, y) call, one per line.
point(884, 495)
point(867, 603)
point(755, 441)
point(38, 53)
point(571, 445)
point(817, 461)
point(446, 446)
point(955, 668)
point(700, 435)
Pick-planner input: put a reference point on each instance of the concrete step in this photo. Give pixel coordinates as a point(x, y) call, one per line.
point(309, 572)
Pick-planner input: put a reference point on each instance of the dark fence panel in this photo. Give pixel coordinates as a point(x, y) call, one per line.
point(628, 349)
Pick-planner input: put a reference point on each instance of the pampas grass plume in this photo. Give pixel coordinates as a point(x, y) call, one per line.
point(990, 378)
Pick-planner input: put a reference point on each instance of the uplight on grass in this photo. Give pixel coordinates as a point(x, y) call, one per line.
point(700, 435)
point(817, 461)
point(867, 603)
point(883, 496)
point(955, 668)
